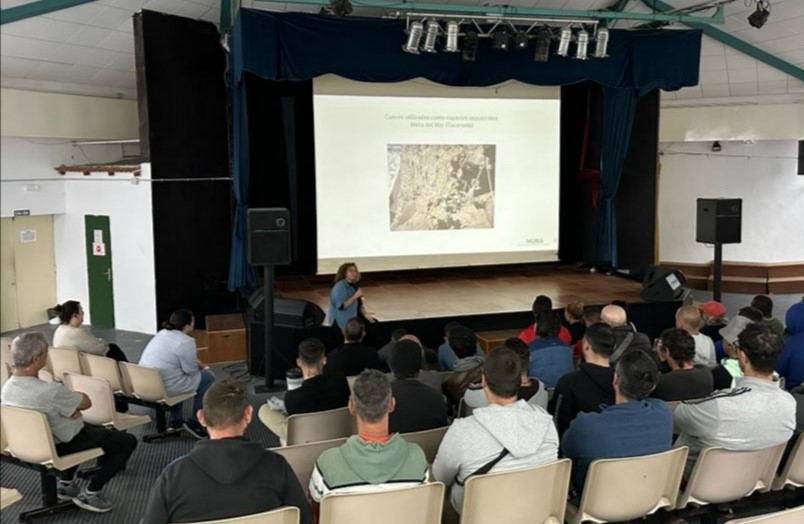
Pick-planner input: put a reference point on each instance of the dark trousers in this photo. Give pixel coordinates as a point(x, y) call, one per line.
point(117, 448)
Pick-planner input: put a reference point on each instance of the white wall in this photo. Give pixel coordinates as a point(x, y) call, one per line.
point(736, 122)
point(762, 173)
point(129, 209)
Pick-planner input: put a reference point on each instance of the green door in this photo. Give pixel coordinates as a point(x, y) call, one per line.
point(99, 270)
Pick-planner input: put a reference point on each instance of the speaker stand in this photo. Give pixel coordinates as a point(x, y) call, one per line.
point(718, 268)
point(268, 325)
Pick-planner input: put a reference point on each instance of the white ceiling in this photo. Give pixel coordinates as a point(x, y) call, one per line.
point(89, 48)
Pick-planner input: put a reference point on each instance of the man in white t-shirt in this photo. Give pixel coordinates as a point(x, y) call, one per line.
point(689, 319)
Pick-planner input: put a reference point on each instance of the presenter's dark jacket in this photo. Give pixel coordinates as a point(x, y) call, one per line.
point(224, 478)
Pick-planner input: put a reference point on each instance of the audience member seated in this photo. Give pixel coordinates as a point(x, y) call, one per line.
point(468, 365)
point(508, 433)
point(352, 357)
point(70, 333)
point(713, 315)
point(446, 357)
point(172, 351)
point(798, 395)
point(63, 408)
point(573, 316)
point(550, 357)
point(756, 414)
point(541, 304)
point(791, 363)
point(752, 314)
point(764, 304)
point(228, 475)
point(374, 458)
point(625, 336)
point(428, 377)
point(590, 387)
point(688, 318)
point(724, 374)
point(318, 392)
point(418, 406)
point(384, 354)
point(635, 425)
point(624, 305)
point(531, 389)
point(685, 380)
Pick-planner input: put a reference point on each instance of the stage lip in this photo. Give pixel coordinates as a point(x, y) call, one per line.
point(328, 266)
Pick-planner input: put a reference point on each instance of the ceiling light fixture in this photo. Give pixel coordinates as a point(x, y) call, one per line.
point(452, 37)
point(760, 16)
point(542, 52)
point(500, 40)
point(521, 39)
point(430, 37)
point(470, 43)
point(414, 37)
point(564, 42)
point(341, 7)
point(582, 45)
point(602, 43)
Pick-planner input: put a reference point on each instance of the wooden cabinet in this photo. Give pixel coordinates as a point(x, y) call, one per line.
point(226, 338)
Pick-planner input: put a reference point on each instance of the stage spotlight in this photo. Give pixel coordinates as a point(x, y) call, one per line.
point(500, 41)
point(564, 42)
point(470, 43)
point(452, 37)
point(414, 36)
point(341, 7)
point(521, 40)
point(542, 47)
point(602, 43)
point(760, 16)
point(582, 45)
point(430, 37)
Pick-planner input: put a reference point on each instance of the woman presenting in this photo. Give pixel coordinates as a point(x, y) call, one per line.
point(346, 297)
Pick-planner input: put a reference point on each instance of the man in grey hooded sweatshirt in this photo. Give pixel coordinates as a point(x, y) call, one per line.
point(511, 432)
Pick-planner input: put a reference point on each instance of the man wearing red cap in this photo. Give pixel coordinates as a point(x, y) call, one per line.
point(713, 314)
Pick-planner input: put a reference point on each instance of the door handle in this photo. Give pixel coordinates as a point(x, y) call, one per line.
point(108, 274)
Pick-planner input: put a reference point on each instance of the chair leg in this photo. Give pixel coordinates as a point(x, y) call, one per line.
point(50, 501)
point(162, 430)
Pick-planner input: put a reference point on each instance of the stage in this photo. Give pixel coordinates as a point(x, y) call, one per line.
point(425, 294)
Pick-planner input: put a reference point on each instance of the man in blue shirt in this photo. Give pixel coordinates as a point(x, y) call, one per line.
point(551, 357)
point(636, 425)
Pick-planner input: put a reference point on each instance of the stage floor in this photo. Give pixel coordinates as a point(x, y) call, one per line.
point(468, 291)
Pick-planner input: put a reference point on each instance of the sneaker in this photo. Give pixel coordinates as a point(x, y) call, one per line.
point(67, 492)
point(194, 428)
point(93, 502)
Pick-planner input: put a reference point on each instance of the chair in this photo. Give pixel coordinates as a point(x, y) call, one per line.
point(106, 368)
point(520, 496)
point(302, 457)
point(5, 350)
point(8, 497)
point(30, 445)
point(721, 475)
point(464, 409)
point(351, 381)
point(429, 440)
point(629, 488)
point(5, 372)
point(788, 516)
point(148, 387)
point(102, 412)
point(64, 360)
point(421, 504)
point(793, 472)
point(46, 375)
point(283, 515)
point(321, 425)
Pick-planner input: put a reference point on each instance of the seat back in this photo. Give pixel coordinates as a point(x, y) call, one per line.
point(722, 475)
point(28, 435)
point(630, 488)
point(793, 471)
point(351, 381)
point(428, 440)
point(5, 350)
point(421, 504)
point(788, 516)
point(146, 383)
point(283, 515)
point(102, 367)
point(521, 496)
point(302, 457)
point(318, 426)
point(5, 372)
point(99, 392)
point(464, 410)
point(64, 360)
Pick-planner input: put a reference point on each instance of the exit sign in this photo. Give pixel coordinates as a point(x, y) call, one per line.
point(22, 212)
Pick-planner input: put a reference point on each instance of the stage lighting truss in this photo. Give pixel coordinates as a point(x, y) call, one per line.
point(448, 33)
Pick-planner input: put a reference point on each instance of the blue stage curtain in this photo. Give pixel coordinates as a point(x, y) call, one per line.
point(618, 118)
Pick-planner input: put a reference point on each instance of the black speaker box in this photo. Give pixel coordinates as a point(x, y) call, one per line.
point(719, 220)
point(290, 312)
point(268, 236)
point(662, 284)
point(801, 157)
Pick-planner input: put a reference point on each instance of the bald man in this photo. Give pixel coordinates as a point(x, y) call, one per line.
point(625, 336)
point(689, 319)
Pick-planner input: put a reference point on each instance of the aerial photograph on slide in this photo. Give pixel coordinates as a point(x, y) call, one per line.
point(441, 186)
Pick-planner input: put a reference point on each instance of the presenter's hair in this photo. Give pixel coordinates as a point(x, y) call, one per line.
point(342, 269)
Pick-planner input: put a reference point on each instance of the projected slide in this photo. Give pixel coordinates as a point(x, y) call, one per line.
point(409, 175)
point(441, 186)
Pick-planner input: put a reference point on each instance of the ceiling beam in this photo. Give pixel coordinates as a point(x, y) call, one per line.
point(40, 7)
point(504, 10)
point(736, 43)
